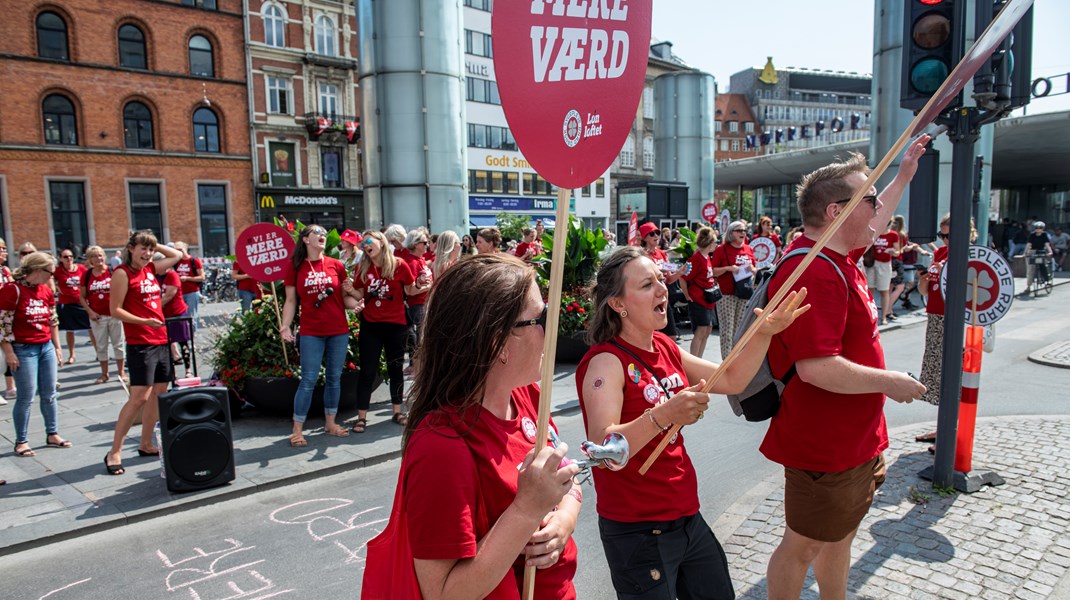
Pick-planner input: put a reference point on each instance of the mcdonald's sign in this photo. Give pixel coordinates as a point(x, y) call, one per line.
point(267, 201)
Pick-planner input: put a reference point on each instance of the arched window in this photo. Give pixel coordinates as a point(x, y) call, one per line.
point(200, 57)
point(648, 152)
point(137, 126)
point(52, 36)
point(205, 131)
point(325, 36)
point(60, 121)
point(132, 48)
point(627, 154)
point(274, 26)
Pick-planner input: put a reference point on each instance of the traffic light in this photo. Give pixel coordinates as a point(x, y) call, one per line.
point(924, 194)
point(933, 40)
point(1004, 80)
point(779, 136)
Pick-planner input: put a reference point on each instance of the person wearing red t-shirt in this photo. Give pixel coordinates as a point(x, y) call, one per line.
point(765, 229)
point(886, 246)
point(174, 305)
point(317, 284)
point(732, 261)
point(476, 501)
point(191, 273)
point(696, 283)
point(95, 293)
point(829, 432)
point(27, 307)
point(382, 281)
point(635, 381)
point(6, 278)
point(72, 315)
point(649, 241)
point(526, 249)
point(136, 301)
point(248, 288)
point(417, 241)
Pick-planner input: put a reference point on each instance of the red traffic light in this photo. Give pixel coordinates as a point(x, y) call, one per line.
point(931, 2)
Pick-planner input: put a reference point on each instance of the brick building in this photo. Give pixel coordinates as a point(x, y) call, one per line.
point(733, 123)
point(304, 107)
point(124, 115)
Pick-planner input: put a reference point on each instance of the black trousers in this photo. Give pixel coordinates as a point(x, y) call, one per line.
point(665, 560)
point(374, 338)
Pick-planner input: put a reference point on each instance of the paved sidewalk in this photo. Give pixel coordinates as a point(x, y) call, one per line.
point(1011, 541)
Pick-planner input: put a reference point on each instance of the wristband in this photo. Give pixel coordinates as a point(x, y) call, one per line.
point(650, 415)
point(576, 493)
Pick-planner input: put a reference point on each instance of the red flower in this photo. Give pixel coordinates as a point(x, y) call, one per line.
point(581, 311)
point(569, 308)
point(351, 366)
point(289, 373)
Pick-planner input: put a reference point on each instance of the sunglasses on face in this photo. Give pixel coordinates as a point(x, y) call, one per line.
point(943, 236)
point(317, 231)
point(50, 272)
point(871, 199)
point(540, 320)
point(653, 234)
point(25, 253)
point(66, 256)
point(367, 243)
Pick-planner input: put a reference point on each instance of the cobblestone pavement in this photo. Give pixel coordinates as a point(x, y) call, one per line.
point(1010, 541)
point(1055, 355)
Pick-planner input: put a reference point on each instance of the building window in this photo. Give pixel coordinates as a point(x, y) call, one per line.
point(748, 127)
point(627, 153)
point(52, 36)
point(215, 237)
point(482, 90)
point(733, 127)
point(280, 95)
point(329, 100)
point(132, 48)
point(331, 159)
point(648, 152)
point(200, 57)
point(283, 164)
point(724, 145)
point(490, 136)
point(717, 127)
point(137, 127)
point(735, 145)
point(69, 215)
point(478, 182)
point(61, 124)
point(209, 4)
point(205, 131)
point(478, 43)
point(487, 5)
point(274, 26)
point(325, 36)
point(648, 102)
point(145, 208)
point(600, 187)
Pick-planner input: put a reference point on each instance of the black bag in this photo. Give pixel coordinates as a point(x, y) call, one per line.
point(744, 288)
point(712, 295)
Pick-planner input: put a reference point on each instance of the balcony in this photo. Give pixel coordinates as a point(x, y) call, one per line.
point(332, 127)
point(336, 62)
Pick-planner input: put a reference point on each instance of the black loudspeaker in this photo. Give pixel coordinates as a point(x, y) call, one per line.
point(197, 446)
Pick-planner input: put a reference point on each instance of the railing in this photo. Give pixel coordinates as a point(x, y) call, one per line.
point(320, 123)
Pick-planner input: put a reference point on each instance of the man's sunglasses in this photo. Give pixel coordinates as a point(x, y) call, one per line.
point(943, 236)
point(540, 320)
point(871, 199)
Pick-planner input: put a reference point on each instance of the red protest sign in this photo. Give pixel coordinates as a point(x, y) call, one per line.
point(263, 251)
point(709, 212)
point(633, 230)
point(570, 75)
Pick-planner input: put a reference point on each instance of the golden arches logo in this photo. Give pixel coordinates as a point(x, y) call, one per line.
point(267, 201)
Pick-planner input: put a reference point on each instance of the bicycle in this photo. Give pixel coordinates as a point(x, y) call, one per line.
point(1042, 276)
point(218, 286)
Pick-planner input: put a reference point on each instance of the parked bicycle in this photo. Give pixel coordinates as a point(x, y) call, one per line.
point(1042, 275)
point(218, 286)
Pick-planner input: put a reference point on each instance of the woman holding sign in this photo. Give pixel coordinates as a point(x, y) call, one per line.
point(635, 381)
point(316, 283)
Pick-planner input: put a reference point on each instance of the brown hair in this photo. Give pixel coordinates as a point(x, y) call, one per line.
point(491, 235)
point(459, 347)
point(142, 237)
point(705, 237)
point(605, 323)
point(825, 186)
point(946, 222)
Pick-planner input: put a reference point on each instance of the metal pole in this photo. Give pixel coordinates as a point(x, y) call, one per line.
point(963, 137)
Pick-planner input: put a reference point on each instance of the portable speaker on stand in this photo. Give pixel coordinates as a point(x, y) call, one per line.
point(198, 450)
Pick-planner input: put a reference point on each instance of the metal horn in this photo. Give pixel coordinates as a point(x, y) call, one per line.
point(613, 453)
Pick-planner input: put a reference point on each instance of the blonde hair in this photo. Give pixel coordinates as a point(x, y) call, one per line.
point(447, 241)
point(94, 250)
point(388, 261)
point(33, 262)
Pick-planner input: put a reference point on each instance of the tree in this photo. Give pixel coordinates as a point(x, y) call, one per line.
point(512, 226)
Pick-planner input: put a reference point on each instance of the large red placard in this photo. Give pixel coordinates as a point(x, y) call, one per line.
point(263, 251)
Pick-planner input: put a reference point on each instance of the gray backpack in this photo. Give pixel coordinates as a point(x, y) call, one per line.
point(761, 399)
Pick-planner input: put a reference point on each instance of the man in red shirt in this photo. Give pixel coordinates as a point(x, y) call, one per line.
point(829, 432)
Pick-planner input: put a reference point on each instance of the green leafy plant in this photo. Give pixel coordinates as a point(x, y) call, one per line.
point(576, 309)
point(686, 247)
point(582, 251)
point(917, 496)
point(944, 491)
point(332, 248)
point(512, 226)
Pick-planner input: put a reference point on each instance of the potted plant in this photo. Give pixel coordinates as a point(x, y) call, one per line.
point(572, 325)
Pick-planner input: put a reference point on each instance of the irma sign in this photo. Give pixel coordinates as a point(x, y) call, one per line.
point(570, 76)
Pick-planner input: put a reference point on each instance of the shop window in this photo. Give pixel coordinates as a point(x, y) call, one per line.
point(132, 52)
point(137, 126)
point(52, 36)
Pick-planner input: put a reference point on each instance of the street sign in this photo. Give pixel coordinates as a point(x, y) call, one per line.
point(570, 79)
point(764, 252)
point(263, 251)
point(995, 286)
point(709, 212)
point(723, 222)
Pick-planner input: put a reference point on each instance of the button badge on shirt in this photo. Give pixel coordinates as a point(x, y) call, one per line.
point(633, 373)
point(529, 429)
point(651, 393)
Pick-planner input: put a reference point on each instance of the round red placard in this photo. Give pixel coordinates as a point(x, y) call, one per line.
point(263, 251)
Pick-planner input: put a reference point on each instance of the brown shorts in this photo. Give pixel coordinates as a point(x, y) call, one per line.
point(827, 507)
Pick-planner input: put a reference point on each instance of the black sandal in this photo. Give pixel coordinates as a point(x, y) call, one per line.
point(360, 425)
point(113, 469)
point(400, 418)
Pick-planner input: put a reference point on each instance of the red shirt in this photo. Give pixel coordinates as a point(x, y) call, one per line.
point(143, 301)
point(522, 249)
point(447, 491)
point(33, 311)
point(698, 273)
point(98, 291)
point(248, 284)
point(815, 429)
point(189, 268)
point(670, 489)
point(177, 306)
point(934, 304)
point(312, 279)
point(727, 255)
point(69, 283)
point(384, 299)
point(774, 237)
point(418, 267)
point(885, 242)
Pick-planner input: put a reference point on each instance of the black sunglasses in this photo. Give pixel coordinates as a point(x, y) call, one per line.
point(540, 320)
point(871, 199)
point(943, 236)
point(25, 253)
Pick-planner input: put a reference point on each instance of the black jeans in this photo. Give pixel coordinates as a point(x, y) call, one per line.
point(664, 560)
point(374, 337)
point(415, 316)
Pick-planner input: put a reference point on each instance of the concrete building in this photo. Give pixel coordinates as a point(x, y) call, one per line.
point(130, 114)
point(305, 120)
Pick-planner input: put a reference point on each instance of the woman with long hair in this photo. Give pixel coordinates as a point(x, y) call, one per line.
point(696, 283)
point(317, 284)
point(72, 315)
point(470, 511)
point(468, 245)
point(636, 381)
point(95, 293)
point(650, 238)
point(382, 280)
point(447, 252)
point(136, 301)
point(731, 259)
point(27, 308)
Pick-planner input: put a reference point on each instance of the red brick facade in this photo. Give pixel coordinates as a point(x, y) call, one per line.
point(92, 79)
point(730, 145)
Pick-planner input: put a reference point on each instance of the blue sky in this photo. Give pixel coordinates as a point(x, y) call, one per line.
point(722, 37)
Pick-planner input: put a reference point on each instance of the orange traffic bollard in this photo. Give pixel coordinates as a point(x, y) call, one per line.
point(971, 379)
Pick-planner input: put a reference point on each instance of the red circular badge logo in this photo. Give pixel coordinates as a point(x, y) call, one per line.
point(263, 251)
point(709, 212)
point(529, 428)
point(576, 68)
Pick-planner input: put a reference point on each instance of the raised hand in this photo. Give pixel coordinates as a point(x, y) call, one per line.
point(784, 315)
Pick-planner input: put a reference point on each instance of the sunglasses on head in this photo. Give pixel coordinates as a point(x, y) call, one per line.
point(540, 320)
